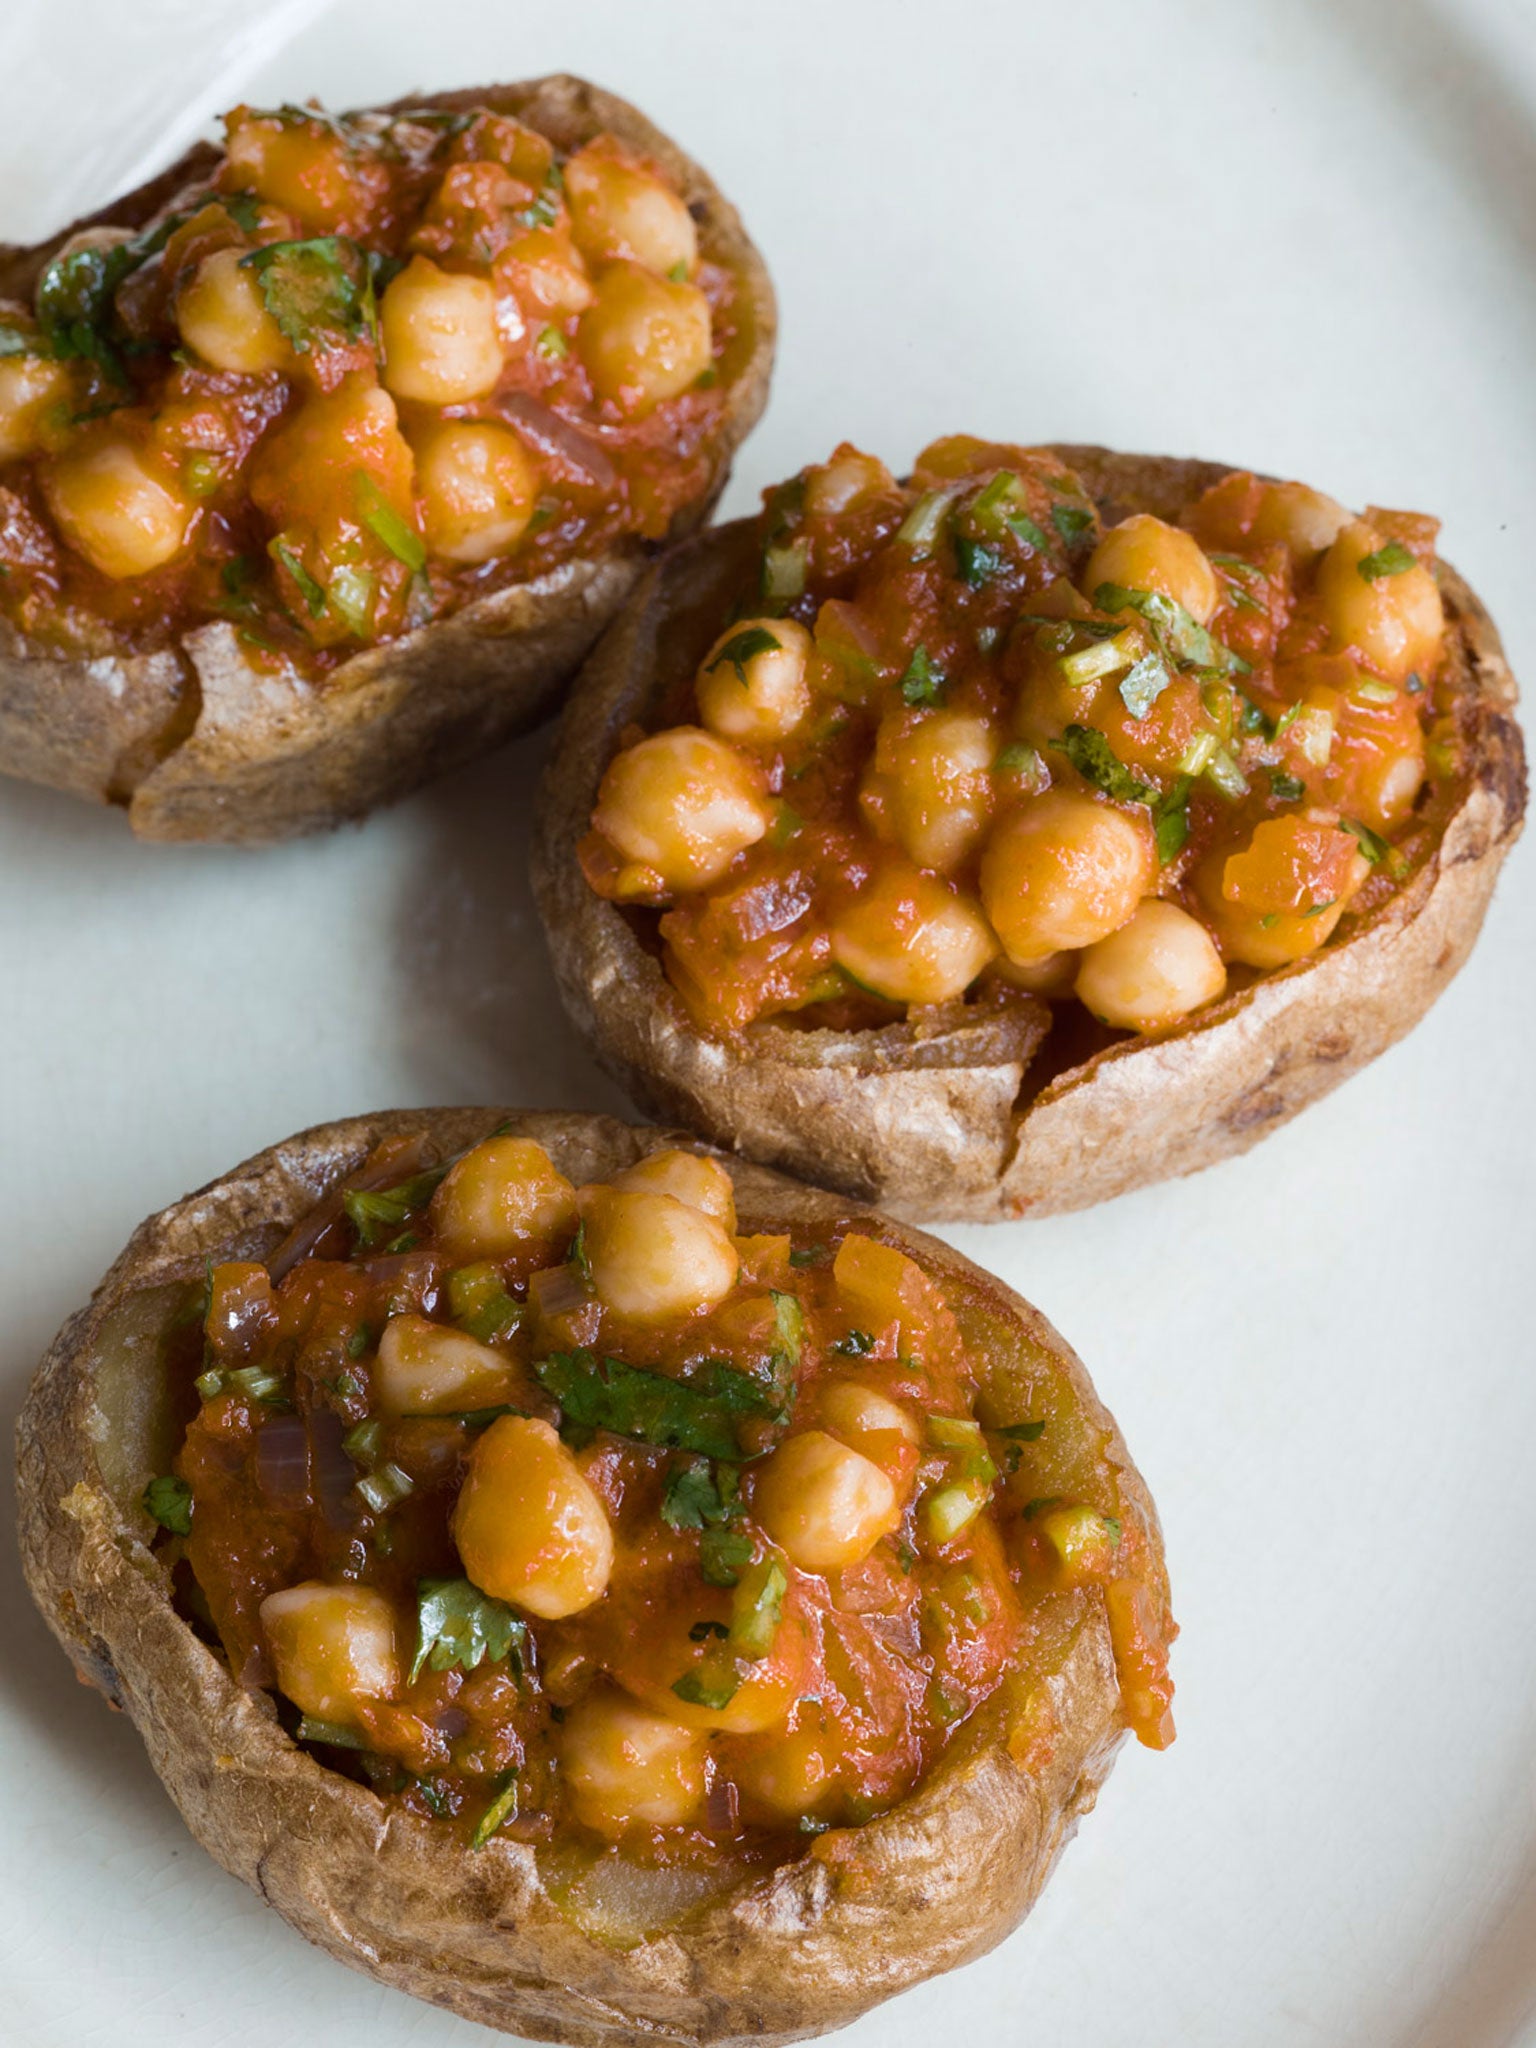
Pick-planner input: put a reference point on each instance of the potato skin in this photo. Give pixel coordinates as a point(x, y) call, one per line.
point(197, 743)
point(952, 1128)
point(497, 1936)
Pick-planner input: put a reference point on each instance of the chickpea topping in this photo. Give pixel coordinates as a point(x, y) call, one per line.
point(479, 487)
point(619, 211)
point(1153, 971)
point(426, 1369)
point(913, 938)
point(792, 1777)
point(692, 1177)
point(1061, 871)
point(644, 339)
point(628, 1767)
point(932, 778)
point(500, 1197)
point(224, 319)
point(836, 486)
point(332, 1647)
point(528, 1526)
point(1394, 621)
point(29, 387)
point(112, 507)
point(439, 334)
point(654, 1257)
point(879, 1428)
point(760, 694)
point(1145, 553)
point(682, 804)
point(824, 1503)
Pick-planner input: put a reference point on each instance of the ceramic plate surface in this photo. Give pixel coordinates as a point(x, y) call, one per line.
point(1293, 236)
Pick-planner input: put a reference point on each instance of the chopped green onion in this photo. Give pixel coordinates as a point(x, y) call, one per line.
point(1286, 789)
point(948, 1511)
point(784, 571)
point(925, 521)
point(362, 1443)
point(742, 647)
point(209, 1384)
point(313, 1729)
point(954, 1432)
point(1224, 772)
point(384, 1488)
point(309, 589)
point(921, 681)
point(1391, 560)
point(501, 1809)
point(351, 595)
point(1372, 692)
point(552, 344)
point(1372, 845)
point(1087, 664)
point(760, 1605)
point(388, 526)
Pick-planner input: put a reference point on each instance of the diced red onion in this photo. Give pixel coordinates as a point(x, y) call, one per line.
point(332, 1472)
point(395, 1160)
point(557, 1291)
point(282, 1460)
point(558, 438)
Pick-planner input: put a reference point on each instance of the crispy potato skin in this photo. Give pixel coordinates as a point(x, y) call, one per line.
point(862, 1914)
point(198, 743)
point(943, 1128)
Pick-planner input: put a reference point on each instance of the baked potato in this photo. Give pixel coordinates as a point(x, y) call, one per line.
point(326, 454)
point(1055, 822)
point(768, 1681)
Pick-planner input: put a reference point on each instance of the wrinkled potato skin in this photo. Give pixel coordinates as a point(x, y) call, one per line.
point(198, 744)
point(944, 1127)
point(863, 1913)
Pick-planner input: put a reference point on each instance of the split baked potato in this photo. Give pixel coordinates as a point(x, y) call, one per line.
point(326, 454)
point(768, 1685)
point(1056, 821)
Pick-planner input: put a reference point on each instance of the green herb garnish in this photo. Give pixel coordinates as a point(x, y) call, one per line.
point(1178, 633)
point(320, 292)
point(1097, 762)
point(459, 1626)
point(857, 1344)
point(375, 1212)
point(1372, 845)
point(697, 1414)
point(309, 589)
point(742, 647)
point(169, 1501)
point(501, 1809)
point(1143, 683)
point(313, 1729)
point(1071, 522)
point(387, 525)
point(921, 681)
point(976, 562)
point(1286, 789)
point(1390, 560)
point(1023, 1432)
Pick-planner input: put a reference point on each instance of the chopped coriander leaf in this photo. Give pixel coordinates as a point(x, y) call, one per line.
point(789, 1325)
point(976, 562)
point(309, 589)
point(921, 681)
point(543, 213)
point(501, 1809)
point(1143, 684)
point(723, 1555)
point(1372, 845)
point(812, 1255)
point(387, 525)
point(552, 344)
point(480, 1303)
point(1391, 560)
point(1171, 826)
point(169, 1501)
point(242, 209)
point(1023, 1432)
point(436, 1798)
point(1029, 532)
point(1071, 521)
point(320, 292)
point(459, 1626)
point(703, 1630)
point(1286, 789)
point(755, 1626)
point(701, 1496)
point(857, 1344)
point(1179, 634)
point(1097, 762)
point(75, 294)
point(374, 1212)
point(697, 1414)
point(742, 647)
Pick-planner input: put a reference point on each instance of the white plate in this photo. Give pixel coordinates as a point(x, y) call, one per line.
point(1296, 237)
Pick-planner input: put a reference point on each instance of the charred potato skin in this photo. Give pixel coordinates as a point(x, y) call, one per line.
point(864, 1913)
point(934, 1128)
point(199, 744)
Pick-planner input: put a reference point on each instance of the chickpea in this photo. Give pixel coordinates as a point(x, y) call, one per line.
point(702, 1183)
point(1146, 553)
point(793, 1776)
point(644, 339)
point(1062, 870)
point(479, 487)
point(628, 1767)
point(544, 268)
point(224, 319)
point(1306, 521)
point(824, 1503)
point(438, 328)
point(932, 778)
point(766, 1687)
point(427, 1369)
point(1278, 898)
point(756, 697)
point(879, 1428)
point(111, 507)
point(1394, 623)
point(1151, 972)
point(619, 211)
point(29, 387)
point(528, 1526)
point(835, 487)
point(1052, 976)
point(653, 1257)
point(499, 1198)
point(912, 938)
point(1075, 1545)
point(306, 170)
point(332, 1647)
point(682, 803)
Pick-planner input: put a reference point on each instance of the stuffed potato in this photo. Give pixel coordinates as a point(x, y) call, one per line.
point(989, 844)
point(601, 1587)
point(325, 456)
